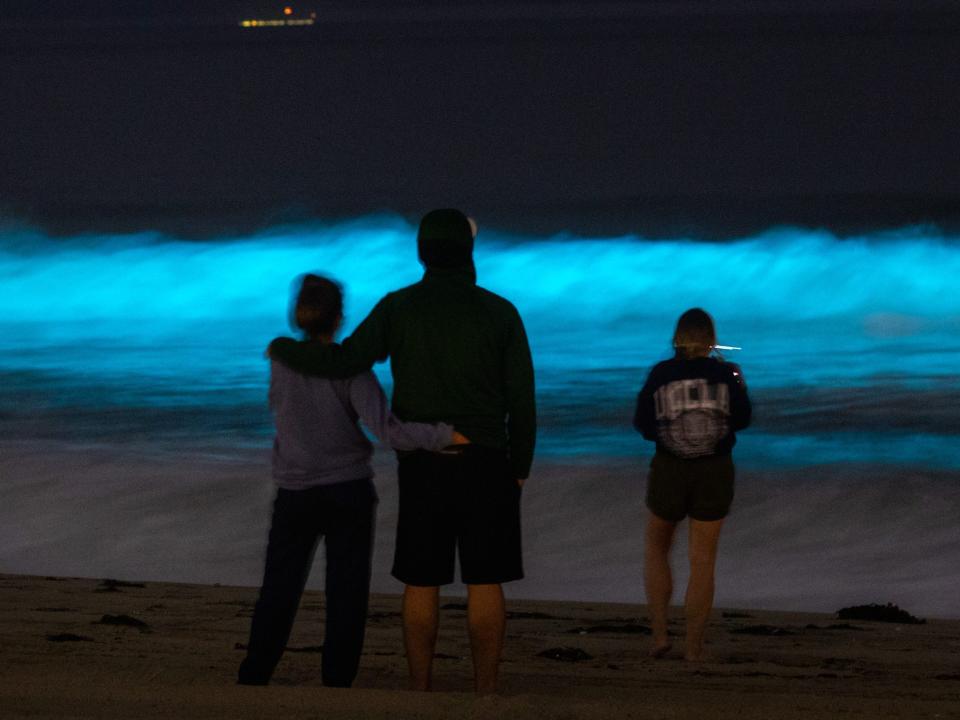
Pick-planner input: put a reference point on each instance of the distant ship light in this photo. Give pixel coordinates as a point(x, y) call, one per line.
point(284, 22)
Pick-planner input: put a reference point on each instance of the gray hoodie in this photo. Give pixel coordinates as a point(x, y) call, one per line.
point(319, 441)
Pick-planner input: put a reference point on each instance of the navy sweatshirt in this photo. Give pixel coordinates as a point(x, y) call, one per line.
point(692, 408)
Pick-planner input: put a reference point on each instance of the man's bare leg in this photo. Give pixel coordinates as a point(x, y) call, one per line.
point(658, 579)
point(487, 622)
point(704, 537)
point(421, 613)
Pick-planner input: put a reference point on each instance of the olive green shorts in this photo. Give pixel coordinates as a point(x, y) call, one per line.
point(701, 488)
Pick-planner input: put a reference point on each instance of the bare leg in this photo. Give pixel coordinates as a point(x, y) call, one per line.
point(658, 579)
point(421, 614)
point(487, 621)
point(704, 537)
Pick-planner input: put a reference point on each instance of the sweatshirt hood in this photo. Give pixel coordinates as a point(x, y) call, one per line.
point(445, 240)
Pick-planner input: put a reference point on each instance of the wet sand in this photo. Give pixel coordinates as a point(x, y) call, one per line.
point(88, 648)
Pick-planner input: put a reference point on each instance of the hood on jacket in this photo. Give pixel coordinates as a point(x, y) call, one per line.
point(445, 239)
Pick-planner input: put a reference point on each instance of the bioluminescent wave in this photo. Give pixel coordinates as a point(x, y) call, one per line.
point(888, 285)
point(833, 330)
point(134, 425)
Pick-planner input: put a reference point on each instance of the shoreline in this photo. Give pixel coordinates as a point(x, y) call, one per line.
point(176, 650)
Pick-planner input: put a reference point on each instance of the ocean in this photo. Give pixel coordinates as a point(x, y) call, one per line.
point(135, 435)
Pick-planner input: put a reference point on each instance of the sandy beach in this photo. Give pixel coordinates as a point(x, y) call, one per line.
point(95, 648)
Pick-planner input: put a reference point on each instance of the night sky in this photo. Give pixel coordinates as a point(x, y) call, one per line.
point(656, 117)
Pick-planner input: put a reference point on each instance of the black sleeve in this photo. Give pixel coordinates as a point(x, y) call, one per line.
point(521, 400)
point(367, 345)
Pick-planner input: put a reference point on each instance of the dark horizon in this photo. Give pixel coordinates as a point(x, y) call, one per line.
point(657, 118)
point(707, 218)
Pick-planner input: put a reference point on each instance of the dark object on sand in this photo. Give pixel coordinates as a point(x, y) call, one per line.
point(766, 630)
point(521, 615)
point(124, 621)
point(68, 637)
point(736, 615)
point(111, 585)
point(879, 613)
point(565, 654)
point(454, 606)
point(616, 629)
point(835, 626)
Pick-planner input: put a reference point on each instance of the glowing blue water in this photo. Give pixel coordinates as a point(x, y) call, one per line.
point(849, 345)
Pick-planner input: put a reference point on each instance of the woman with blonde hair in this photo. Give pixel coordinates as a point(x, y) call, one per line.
point(690, 406)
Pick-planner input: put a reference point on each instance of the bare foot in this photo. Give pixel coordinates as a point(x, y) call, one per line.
point(698, 657)
point(660, 649)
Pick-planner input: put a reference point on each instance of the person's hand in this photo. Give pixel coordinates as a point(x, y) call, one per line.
point(459, 439)
point(520, 482)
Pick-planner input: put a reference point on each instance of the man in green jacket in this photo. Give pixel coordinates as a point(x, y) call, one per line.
point(458, 354)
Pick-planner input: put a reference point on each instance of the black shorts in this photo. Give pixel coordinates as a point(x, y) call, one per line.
point(701, 488)
point(468, 502)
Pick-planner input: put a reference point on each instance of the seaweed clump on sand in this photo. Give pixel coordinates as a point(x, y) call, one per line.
point(879, 613)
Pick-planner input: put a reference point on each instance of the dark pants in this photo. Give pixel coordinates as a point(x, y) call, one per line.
point(344, 514)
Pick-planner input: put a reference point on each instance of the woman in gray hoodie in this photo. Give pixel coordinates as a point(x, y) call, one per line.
point(321, 465)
